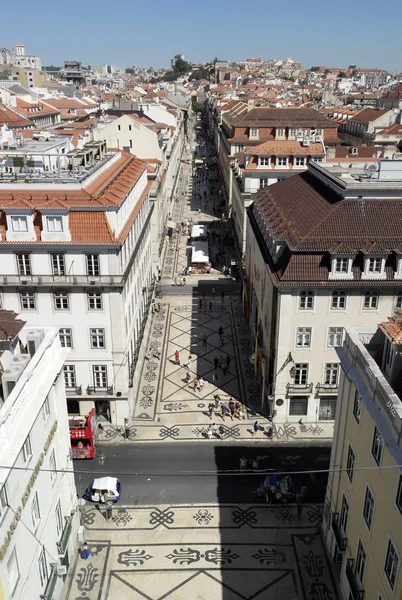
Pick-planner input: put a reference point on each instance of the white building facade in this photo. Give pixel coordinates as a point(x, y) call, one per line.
point(38, 502)
point(82, 262)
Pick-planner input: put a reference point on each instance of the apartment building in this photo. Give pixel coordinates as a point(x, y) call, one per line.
point(323, 252)
point(38, 498)
point(364, 127)
point(286, 139)
point(76, 253)
point(363, 511)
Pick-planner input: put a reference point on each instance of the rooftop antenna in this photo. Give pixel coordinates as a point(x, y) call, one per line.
point(370, 169)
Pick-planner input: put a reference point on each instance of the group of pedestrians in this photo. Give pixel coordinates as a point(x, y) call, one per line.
point(232, 409)
point(223, 363)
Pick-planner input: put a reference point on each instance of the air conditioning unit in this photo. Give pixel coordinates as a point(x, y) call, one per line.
point(306, 142)
point(10, 379)
point(21, 359)
point(34, 340)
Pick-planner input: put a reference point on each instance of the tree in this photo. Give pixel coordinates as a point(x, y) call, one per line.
point(130, 71)
point(201, 73)
point(314, 68)
point(181, 66)
point(197, 106)
point(342, 74)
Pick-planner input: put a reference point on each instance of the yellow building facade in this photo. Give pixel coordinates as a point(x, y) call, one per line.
point(363, 512)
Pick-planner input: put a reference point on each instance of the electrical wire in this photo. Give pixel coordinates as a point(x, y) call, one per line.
point(204, 473)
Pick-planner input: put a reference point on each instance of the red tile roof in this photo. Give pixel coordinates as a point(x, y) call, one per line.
point(368, 114)
point(285, 147)
point(392, 330)
point(12, 119)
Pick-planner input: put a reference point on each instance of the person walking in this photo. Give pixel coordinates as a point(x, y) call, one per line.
point(211, 407)
point(224, 367)
point(255, 428)
point(200, 303)
point(188, 363)
point(243, 463)
point(187, 377)
point(195, 384)
point(222, 339)
point(177, 357)
point(216, 362)
point(228, 359)
point(210, 306)
point(222, 296)
point(204, 339)
point(220, 330)
point(232, 407)
point(215, 378)
point(201, 383)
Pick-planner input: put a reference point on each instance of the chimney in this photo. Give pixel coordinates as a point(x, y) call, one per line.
point(250, 105)
point(330, 152)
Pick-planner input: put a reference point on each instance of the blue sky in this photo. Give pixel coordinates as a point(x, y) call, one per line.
point(149, 33)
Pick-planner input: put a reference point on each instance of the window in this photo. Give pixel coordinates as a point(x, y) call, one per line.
point(27, 449)
point(350, 463)
point(129, 127)
point(263, 161)
point(343, 520)
point(253, 132)
point(263, 183)
point(93, 264)
point(391, 564)
point(281, 161)
point(53, 466)
point(361, 560)
point(371, 299)
point(27, 300)
point(69, 376)
point(300, 161)
point(280, 132)
point(61, 300)
point(374, 265)
point(35, 512)
point(338, 301)
point(19, 223)
point(341, 265)
point(97, 338)
point(377, 447)
point(318, 159)
point(389, 352)
point(357, 407)
point(54, 224)
point(3, 501)
point(306, 300)
point(58, 264)
point(59, 519)
point(66, 337)
point(292, 132)
point(331, 373)
point(335, 337)
point(368, 507)
point(131, 143)
point(318, 131)
point(13, 572)
point(42, 568)
point(303, 337)
point(398, 495)
point(119, 127)
point(46, 409)
point(24, 264)
point(301, 373)
point(100, 376)
point(398, 303)
point(95, 300)
point(298, 406)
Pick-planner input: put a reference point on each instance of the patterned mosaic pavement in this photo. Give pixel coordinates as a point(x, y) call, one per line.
point(206, 552)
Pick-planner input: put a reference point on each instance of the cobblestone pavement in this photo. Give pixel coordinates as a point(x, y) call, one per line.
point(186, 552)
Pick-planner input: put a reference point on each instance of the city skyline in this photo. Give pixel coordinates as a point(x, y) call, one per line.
point(313, 36)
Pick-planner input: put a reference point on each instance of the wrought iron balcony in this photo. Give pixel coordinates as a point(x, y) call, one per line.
point(341, 540)
point(63, 280)
point(93, 389)
point(65, 536)
point(295, 389)
point(74, 390)
point(48, 594)
point(355, 588)
point(326, 388)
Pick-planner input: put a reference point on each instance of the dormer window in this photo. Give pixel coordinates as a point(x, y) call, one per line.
point(19, 223)
point(398, 272)
point(280, 133)
point(253, 132)
point(263, 161)
point(300, 161)
point(282, 161)
point(292, 133)
point(341, 267)
point(374, 267)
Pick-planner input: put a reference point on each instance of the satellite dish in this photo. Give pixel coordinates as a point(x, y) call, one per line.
point(371, 168)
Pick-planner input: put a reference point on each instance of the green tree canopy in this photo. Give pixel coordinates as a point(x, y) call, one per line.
point(181, 66)
point(130, 71)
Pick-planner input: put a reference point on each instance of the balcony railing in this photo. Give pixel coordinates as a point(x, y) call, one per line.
point(93, 389)
point(299, 388)
point(62, 280)
point(355, 587)
point(65, 536)
point(326, 388)
point(341, 540)
point(74, 390)
point(51, 584)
